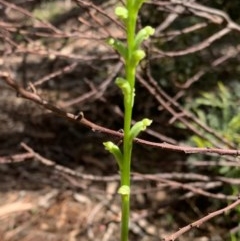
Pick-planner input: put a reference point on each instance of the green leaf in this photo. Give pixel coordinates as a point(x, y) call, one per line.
point(200, 142)
point(210, 100)
point(224, 94)
point(201, 115)
point(216, 122)
point(224, 170)
point(234, 123)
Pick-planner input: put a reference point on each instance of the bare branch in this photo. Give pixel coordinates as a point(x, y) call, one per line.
point(193, 49)
point(96, 92)
point(201, 221)
point(208, 12)
point(180, 114)
point(27, 13)
point(15, 158)
point(81, 119)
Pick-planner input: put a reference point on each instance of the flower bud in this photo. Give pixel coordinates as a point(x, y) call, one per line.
point(142, 35)
point(124, 190)
point(119, 46)
point(137, 56)
point(121, 12)
point(124, 86)
point(139, 126)
point(114, 149)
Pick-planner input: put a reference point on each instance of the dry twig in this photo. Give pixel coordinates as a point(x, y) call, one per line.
point(201, 221)
point(94, 127)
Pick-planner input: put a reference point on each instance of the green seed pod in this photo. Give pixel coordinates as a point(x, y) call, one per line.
point(139, 126)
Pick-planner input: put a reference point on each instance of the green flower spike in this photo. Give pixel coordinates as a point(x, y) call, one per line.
point(114, 149)
point(139, 126)
point(130, 50)
point(119, 46)
point(124, 190)
point(142, 35)
point(121, 12)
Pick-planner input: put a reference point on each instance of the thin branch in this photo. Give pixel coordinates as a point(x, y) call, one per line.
point(189, 187)
point(94, 127)
point(97, 92)
point(16, 158)
point(169, 36)
point(91, 5)
point(27, 13)
point(54, 54)
point(199, 222)
point(55, 74)
point(213, 64)
point(195, 48)
point(169, 19)
point(194, 188)
point(202, 11)
point(167, 102)
point(67, 170)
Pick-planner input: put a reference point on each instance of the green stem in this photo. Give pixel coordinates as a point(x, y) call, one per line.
point(125, 217)
point(128, 106)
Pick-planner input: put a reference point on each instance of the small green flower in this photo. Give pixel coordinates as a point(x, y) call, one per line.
point(124, 190)
point(138, 55)
point(114, 149)
point(121, 12)
point(119, 46)
point(124, 86)
point(142, 35)
point(139, 126)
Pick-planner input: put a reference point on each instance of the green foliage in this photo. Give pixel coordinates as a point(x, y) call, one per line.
point(219, 111)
